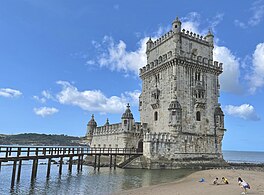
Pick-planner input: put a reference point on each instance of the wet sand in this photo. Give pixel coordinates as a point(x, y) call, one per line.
point(191, 185)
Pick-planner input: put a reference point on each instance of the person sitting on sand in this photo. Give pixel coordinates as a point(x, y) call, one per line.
point(215, 182)
point(224, 180)
point(243, 184)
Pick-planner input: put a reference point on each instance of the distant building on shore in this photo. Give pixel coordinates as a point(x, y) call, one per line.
point(181, 121)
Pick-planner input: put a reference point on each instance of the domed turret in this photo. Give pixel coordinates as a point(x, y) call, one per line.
point(127, 119)
point(127, 114)
point(149, 44)
point(176, 25)
point(218, 111)
point(210, 37)
point(92, 123)
point(174, 105)
point(107, 122)
point(219, 117)
point(91, 126)
point(175, 114)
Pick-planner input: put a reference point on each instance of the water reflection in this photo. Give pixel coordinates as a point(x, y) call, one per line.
point(88, 181)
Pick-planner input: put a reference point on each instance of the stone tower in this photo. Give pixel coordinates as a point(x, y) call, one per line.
point(179, 99)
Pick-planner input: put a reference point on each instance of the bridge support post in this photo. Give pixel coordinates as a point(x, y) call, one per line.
point(95, 158)
point(60, 168)
point(70, 164)
point(81, 162)
point(110, 164)
point(78, 165)
point(48, 169)
point(34, 169)
point(98, 168)
point(13, 174)
point(115, 162)
point(19, 170)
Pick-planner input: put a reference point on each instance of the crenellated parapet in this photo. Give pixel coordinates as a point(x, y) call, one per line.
point(195, 37)
point(203, 62)
point(154, 44)
point(115, 129)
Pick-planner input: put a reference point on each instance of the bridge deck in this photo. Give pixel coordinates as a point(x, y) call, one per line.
point(13, 153)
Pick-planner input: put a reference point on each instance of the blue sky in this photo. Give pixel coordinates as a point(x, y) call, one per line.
point(61, 61)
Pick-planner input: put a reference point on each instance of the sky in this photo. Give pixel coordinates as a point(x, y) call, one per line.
point(62, 61)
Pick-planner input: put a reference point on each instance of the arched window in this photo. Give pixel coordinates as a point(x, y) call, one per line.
point(198, 116)
point(155, 116)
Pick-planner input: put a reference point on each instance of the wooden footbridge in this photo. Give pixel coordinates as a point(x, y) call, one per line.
point(18, 154)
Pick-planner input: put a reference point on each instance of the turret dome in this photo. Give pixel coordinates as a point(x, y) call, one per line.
point(127, 114)
point(92, 122)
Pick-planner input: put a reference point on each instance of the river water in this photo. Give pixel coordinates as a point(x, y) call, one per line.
point(104, 182)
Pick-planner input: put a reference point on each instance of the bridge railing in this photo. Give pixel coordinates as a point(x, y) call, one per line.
point(13, 152)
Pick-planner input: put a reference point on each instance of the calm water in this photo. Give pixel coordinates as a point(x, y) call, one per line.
point(100, 183)
point(242, 156)
point(86, 182)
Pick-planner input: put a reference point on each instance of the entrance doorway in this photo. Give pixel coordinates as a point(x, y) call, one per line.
point(140, 146)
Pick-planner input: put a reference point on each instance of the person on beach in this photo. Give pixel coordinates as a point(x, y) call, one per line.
point(224, 180)
point(215, 182)
point(243, 184)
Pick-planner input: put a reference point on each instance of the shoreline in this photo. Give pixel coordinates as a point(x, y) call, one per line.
point(190, 184)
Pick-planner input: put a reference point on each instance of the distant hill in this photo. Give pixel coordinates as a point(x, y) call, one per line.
point(40, 140)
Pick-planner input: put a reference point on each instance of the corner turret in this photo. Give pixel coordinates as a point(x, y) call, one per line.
point(210, 37)
point(176, 25)
point(149, 45)
point(91, 126)
point(127, 119)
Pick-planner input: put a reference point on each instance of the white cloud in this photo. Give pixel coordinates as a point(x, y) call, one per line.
point(229, 79)
point(39, 99)
point(116, 57)
point(258, 13)
point(191, 22)
point(256, 79)
point(7, 92)
point(244, 111)
point(257, 9)
point(45, 111)
point(95, 100)
point(240, 24)
point(45, 95)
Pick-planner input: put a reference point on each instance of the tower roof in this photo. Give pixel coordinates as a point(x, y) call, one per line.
point(174, 103)
point(107, 122)
point(92, 122)
point(176, 20)
point(127, 114)
point(218, 111)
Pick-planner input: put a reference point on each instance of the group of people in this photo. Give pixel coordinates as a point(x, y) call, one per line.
point(242, 183)
point(224, 181)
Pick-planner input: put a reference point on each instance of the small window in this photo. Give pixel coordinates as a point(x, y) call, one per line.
point(125, 122)
point(155, 116)
point(198, 116)
point(176, 26)
point(173, 113)
point(140, 103)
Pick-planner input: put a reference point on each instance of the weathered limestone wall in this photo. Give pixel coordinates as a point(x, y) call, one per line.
point(175, 147)
point(116, 137)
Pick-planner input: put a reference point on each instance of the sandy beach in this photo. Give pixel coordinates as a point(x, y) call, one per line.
point(191, 185)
